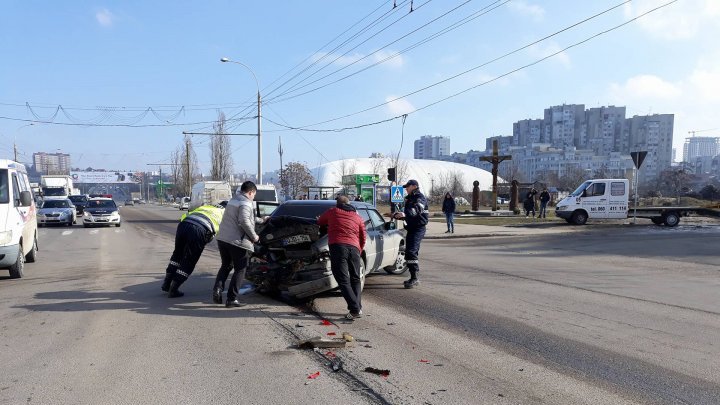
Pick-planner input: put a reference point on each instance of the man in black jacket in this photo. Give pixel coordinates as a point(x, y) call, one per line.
point(416, 217)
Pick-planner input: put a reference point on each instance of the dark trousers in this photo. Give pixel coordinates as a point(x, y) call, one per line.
point(231, 257)
point(543, 209)
point(345, 263)
point(190, 241)
point(412, 250)
point(449, 218)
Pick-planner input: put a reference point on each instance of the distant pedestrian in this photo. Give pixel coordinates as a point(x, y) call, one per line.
point(346, 239)
point(236, 240)
point(448, 208)
point(544, 199)
point(529, 203)
point(415, 215)
point(359, 198)
point(196, 229)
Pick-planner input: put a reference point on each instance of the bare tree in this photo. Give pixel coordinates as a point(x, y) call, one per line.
point(188, 166)
point(295, 178)
point(220, 154)
point(175, 168)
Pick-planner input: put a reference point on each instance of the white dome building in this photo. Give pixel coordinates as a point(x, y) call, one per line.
point(426, 172)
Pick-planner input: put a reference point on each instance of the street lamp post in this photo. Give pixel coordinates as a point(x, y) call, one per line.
point(259, 116)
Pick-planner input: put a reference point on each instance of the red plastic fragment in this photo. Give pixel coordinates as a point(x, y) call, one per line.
point(326, 322)
point(424, 361)
point(314, 376)
point(330, 354)
point(332, 333)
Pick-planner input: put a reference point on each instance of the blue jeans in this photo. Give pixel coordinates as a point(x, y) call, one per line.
point(543, 209)
point(450, 219)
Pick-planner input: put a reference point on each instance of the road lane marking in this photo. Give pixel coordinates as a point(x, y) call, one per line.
point(66, 233)
point(94, 231)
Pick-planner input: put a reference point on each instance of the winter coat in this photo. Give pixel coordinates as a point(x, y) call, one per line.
point(238, 223)
point(345, 226)
point(544, 196)
point(416, 211)
point(448, 205)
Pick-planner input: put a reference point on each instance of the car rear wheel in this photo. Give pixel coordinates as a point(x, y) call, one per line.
point(400, 265)
point(31, 257)
point(362, 274)
point(18, 268)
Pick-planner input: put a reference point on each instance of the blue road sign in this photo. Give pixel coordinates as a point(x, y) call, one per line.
point(397, 194)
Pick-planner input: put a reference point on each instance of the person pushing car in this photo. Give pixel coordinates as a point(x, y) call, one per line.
point(196, 229)
point(346, 239)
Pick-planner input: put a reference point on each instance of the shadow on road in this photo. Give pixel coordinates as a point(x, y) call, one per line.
point(146, 298)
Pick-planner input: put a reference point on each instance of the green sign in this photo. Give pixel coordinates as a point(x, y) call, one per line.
point(355, 179)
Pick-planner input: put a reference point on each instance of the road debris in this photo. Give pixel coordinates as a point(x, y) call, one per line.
point(348, 337)
point(314, 375)
point(323, 343)
point(423, 361)
point(380, 372)
point(331, 333)
point(325, 322)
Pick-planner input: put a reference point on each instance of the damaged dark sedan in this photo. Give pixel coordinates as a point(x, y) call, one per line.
point(293, 257)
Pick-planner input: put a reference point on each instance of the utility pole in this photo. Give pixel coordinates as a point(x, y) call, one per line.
point(187, 164)
point(15, 149)
point(162, 195)
point(280, 151)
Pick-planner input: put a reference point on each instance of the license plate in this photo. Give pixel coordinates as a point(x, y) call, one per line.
point(294, 240)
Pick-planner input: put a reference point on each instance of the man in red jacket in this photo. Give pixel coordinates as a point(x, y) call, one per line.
point(346, 239)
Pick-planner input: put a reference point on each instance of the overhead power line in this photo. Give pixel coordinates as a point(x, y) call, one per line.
point(306, 127)
point(483, 11)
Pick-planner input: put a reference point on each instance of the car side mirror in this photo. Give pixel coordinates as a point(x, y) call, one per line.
point(389, 226)
point(25, 199)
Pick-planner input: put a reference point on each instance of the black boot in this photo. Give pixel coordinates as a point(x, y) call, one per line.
point(217, 295)
point(166, 284)
point(174, 292)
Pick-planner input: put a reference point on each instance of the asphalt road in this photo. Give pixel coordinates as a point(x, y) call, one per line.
point(607, 316)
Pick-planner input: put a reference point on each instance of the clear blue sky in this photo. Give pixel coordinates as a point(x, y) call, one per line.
point(91, 56)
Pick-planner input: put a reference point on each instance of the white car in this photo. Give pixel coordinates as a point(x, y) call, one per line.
point(101, 212)
point(294, 256)
point(184, 203)
point(57, 212)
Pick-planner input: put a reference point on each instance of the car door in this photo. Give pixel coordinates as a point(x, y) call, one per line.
point(595, 200)
point(372, 259)
point(618, 199)
point(387, 241)
point(26, 214)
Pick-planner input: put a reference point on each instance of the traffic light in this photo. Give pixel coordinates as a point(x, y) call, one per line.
point(391, 174)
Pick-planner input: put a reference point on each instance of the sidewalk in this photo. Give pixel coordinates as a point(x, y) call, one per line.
point(436, 230)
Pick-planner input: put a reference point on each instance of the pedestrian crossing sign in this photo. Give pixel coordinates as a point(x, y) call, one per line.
point(397, 194)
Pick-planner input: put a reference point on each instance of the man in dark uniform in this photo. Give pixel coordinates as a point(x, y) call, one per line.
point(416, 217)
point(196, 229)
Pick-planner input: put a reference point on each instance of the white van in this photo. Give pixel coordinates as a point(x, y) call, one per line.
point(209, 193)
point(18, 221)
point(266, 193)
point(595, 199)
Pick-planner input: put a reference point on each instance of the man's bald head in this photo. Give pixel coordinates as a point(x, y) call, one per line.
point(342, 200)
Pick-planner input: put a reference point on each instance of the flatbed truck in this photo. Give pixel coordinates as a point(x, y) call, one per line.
point(609, 199)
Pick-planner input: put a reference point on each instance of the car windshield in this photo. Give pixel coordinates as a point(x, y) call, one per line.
point(101, 204)
point(54, 191)
point(4, 190)
point(310, 211)
point(77, 198)
point(578, 192)
point(56, 204)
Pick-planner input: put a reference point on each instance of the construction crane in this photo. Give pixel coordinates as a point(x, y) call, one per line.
point(692, 133)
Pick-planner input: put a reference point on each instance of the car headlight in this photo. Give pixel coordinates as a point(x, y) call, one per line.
point(114, 214)
point(40, 214)
point(86, 214)
point(561, 207)
point(5, 237)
